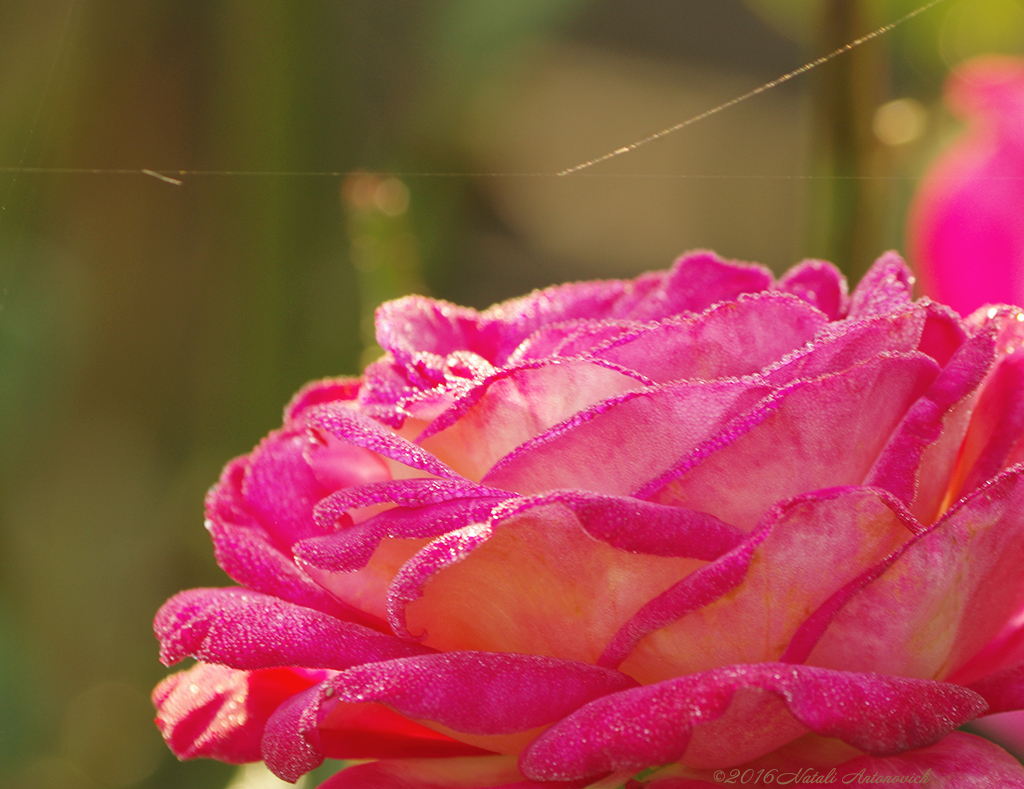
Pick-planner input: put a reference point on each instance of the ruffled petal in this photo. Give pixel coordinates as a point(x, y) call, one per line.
point(899, 467)
point(247, 630)
point(617, 446)
point(301, 734)
point(485, 699)
point(730, 715)
point(815, 434)
point(886, 287)
point(351, 426)
point(731, 339)
point(842, 345)
point(515, 405)
point(942, 597)
point(820, 284)
point(806, 550)
point(220, 713)
point(513, 584)
point(246, 552)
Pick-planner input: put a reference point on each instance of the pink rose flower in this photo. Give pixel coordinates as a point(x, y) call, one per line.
point(966, 228)
point(702, 520)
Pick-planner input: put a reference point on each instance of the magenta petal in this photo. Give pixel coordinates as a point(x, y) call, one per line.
point(1003, 690)
point(844, 344)
point(811, 435)
point(248, 556)
point(964, 579)
point(640, 526)
point(944, 331)
point(291, 744)
point(350, 425)
point(887, 287)
point(279, 487)
point(699, 279)
point(748, 605)
point(220, 713)
point(571, 338)
point(729, 340)
point(820, 284)
point(958, 761)
point(315, 393)
point(247, 630)
point(417, 492)
point(479, 692)
point(896, 469)
point(663, 723)
point(999, 424)
point(352, 547)
point(516, 404)
point(467, 772)
point(617, 446)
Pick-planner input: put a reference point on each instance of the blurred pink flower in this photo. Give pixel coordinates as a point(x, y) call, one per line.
point(699, 520)
point(966, 229)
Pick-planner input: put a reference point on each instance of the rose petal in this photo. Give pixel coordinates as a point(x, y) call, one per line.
point(729, 715)
point(963, 577)
point(467, 772)
point(804, 551)
point(617, 446)
point(699, 279)
point(731, 339)
point(958, 761)
point(944, 331)
point(300, 735)
point(820, 284)
point(219, 713)
point(1003, 690)
point(839, 346)
point(899, 468)
point(512, 585)
point(639, 526)
point(247, 630)
point(352, 547)
point(325, 390)
point(886, 287)
point(515, 405)
point(417, 492)
point(245, 552)
point(570, 338)
point(351, 426)
point(480, 693)
point(477, 694)
point(814, 434)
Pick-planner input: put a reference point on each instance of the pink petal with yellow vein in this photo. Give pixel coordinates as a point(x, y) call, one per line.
point(947, 594)
point(514, 406)
point(819, 434)
point(620, 444)
point(513, 585)
point(730, 339)
point(806, 550)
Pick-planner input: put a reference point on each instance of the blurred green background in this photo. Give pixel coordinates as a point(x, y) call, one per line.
point(150, 331)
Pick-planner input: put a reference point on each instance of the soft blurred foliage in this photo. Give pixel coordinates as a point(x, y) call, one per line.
point(150, 331)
